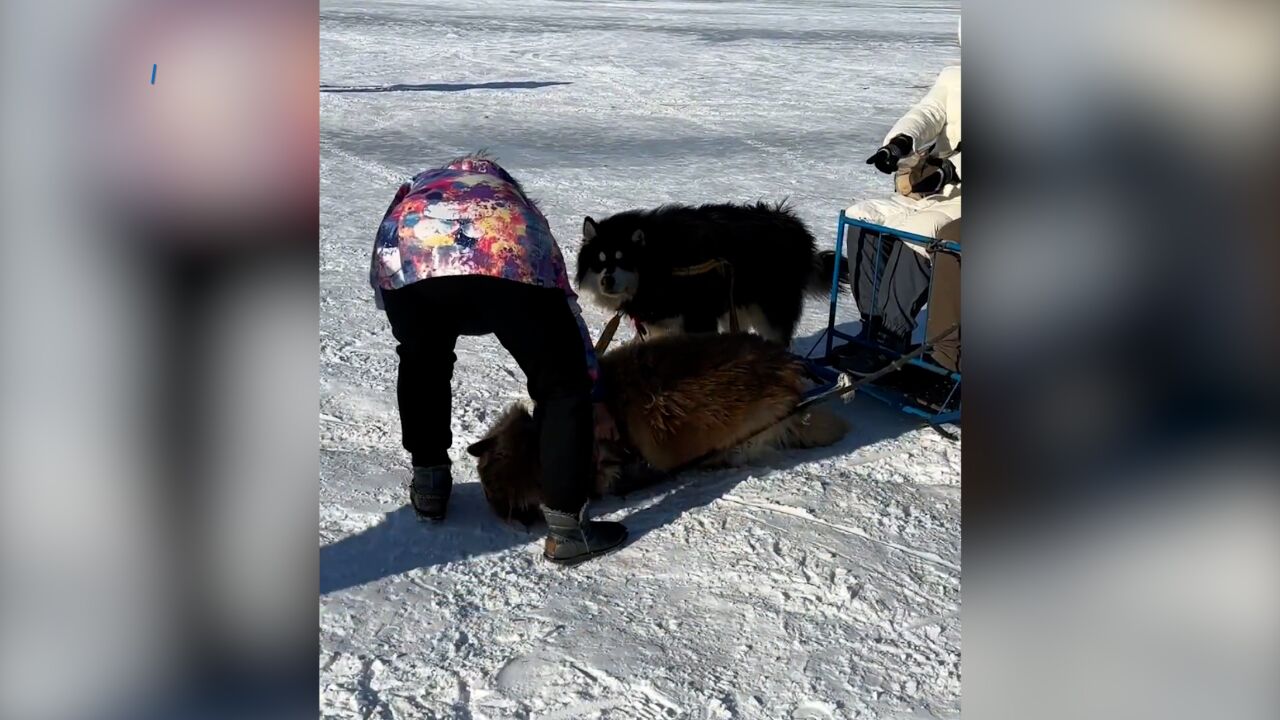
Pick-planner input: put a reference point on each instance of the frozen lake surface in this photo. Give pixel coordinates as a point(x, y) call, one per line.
point(827, 586)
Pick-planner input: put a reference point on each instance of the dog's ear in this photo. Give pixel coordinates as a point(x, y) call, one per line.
point(638, 237)
point(480, 447)
point(588, 229)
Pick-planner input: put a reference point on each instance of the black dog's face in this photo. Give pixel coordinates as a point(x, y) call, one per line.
point(608, 265)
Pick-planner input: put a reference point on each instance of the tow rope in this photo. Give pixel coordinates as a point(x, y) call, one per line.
point(843, 389)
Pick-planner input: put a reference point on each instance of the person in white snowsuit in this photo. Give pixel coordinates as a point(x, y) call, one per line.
point(935, 120)
point(890, 284)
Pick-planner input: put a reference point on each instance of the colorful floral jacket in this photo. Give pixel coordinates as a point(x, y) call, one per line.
point(471, 218)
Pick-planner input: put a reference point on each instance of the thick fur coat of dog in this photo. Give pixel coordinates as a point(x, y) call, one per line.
point(637, 262)
point(705, 400)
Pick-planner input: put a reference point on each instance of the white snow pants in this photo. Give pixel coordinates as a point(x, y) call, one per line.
point(925, 216)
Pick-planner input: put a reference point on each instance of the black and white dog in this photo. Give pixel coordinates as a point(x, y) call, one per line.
point(652, 265)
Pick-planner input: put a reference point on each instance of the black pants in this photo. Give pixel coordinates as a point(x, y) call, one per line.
point(890, 284)
point(537, 327)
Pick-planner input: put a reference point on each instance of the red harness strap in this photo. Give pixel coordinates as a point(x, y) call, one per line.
point(719, 265)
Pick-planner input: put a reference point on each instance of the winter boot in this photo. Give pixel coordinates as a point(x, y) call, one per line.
point(429, 491)
point(572, 539)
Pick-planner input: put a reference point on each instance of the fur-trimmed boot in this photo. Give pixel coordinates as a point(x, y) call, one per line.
point(429, 491)
point(572, 539)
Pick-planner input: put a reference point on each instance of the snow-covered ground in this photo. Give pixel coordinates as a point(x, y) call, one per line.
point(825, 587)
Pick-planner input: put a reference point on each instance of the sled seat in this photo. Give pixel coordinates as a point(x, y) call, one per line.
point(921, 387)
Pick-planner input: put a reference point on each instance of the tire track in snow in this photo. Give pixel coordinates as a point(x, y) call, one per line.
point(847, 530)
point(640, 698)
point(386, 172)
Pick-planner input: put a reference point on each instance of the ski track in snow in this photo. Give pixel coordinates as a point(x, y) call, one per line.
point(825, 586)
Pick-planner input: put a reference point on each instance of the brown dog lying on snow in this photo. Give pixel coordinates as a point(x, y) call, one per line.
point(709, 400)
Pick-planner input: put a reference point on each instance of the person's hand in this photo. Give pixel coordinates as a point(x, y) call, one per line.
point(606, 429)
point(935, 177)
point(886, 158)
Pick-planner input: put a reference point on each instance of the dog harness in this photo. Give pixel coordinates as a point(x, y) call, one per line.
point(716, 265)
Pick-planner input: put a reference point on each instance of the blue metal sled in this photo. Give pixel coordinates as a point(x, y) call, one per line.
point(945, 407)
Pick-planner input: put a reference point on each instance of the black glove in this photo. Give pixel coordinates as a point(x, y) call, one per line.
point(886, 158)
point(940, 173)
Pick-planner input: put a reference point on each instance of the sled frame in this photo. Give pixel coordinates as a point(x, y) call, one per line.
point(824, 367)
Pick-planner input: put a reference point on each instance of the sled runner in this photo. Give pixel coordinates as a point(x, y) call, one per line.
point(917, 384)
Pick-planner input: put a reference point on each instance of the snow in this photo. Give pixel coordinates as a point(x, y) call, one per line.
point(824, 586)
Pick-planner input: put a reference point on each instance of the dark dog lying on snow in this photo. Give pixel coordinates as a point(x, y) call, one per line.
point(705, 400)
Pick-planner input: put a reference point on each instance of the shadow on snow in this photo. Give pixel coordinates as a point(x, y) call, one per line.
point(443, 87)
point(402, 542)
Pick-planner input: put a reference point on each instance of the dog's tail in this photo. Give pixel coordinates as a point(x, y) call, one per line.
point(814, 428)
point(818, 427)
point(824, 267)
